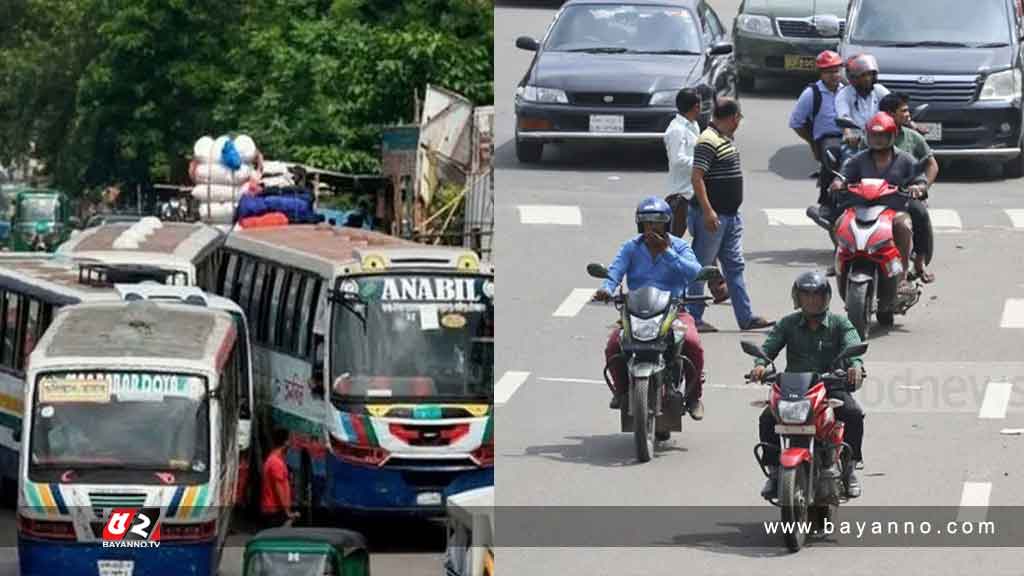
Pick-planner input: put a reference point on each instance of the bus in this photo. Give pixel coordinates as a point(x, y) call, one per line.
point(377, 355)
point(130, 426)
point(183, 254)
point(34, 286)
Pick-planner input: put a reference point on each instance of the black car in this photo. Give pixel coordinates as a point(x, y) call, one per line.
point(609, 70)
point(964, 59)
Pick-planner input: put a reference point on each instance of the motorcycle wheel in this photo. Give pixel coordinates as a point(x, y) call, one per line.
point(793, 501)
point(643, 420)
point(858, 308)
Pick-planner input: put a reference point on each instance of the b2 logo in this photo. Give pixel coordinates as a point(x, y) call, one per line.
point(132, 524)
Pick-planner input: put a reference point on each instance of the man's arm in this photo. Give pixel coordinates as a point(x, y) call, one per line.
point(798, 119)
point(618, 268)
point(775, 342)
point(683, 262)
point(843, 103)
point(681, 152)
point(703, 156)
point(923, 150)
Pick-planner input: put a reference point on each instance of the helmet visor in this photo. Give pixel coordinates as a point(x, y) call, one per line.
point(656, 217)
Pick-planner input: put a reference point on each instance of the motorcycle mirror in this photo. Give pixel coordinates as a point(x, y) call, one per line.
point(918, 111)
point(753, 349)
point(596, 270)
point(852, 351)
point(708, 273)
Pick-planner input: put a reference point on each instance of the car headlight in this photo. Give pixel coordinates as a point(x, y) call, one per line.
point(664, 98)
point(545, 95)
point(794, 412)
point(754, 24)
point(1002, 86)
point(644, 330)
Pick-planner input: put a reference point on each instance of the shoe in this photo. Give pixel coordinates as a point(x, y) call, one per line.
point(771, 485)
point(696, 410)
point(853, 485)
point(614, 404)
point(757, 323)
point(705, 327)
point(831, 271)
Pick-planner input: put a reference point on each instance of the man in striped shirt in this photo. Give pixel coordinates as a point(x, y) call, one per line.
point(714, 217)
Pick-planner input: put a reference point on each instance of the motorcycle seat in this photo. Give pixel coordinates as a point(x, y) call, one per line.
point(869, 214)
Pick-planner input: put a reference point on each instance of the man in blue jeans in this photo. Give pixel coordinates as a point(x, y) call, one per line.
point(714, 218)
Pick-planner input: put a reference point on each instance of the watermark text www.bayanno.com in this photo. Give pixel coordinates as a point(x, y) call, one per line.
point(860, 529)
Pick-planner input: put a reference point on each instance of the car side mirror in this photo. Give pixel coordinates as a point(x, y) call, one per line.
point(527, 43)
point(721, 49)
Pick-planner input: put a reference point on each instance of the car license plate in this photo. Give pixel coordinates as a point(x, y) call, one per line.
point(604, 123)
point(428, 499)
point(797, 429)
point(115, 567)
point(796, 62)
point(934, 131)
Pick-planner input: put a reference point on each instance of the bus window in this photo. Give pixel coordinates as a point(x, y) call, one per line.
point(274, 315)
point(227, 284)
point(309, 296)
point(11, 330)
point(262, 314)
point(253, 310)
point(245, 277)
point(297, 280)
point(29, 329)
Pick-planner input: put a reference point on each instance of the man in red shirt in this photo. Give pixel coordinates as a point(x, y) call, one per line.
point(276, 496)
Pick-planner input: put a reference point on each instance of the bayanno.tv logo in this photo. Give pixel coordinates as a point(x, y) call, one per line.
point(132, 528)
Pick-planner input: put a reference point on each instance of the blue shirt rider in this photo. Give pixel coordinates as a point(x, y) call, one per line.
point(656, 258)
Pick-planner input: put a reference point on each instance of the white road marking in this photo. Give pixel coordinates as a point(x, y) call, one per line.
point(573, 380)
point(945, 218)
point(1017, 217)
point(507, 386)
point(788, 217)
point(574, 302)
point(550, 214)
point(997, 398)
point(1012, 431)
point(974, 501)
point(1013, 314)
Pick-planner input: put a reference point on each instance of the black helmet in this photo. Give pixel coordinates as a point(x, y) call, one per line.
point(653, 209)
point(812, 283)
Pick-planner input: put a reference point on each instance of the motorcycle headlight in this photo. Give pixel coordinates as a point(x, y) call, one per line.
point(544, 95)
point(644, 330)
point(1004, 85)
point(754, 24)
point(794, 412)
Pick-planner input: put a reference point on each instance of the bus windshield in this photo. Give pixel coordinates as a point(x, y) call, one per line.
point(120, 421)
point(414, 337)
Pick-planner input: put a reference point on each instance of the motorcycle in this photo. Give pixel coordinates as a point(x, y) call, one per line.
point(814, 460)
point(173, 211)
point(868, 263)
point(652, 341)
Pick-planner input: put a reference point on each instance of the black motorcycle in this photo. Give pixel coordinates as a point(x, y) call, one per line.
point(652, 341)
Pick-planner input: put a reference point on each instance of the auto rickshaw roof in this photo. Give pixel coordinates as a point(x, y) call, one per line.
point(337, 538)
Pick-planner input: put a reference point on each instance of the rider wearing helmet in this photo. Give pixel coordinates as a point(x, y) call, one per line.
point(858, 102)
point(655, 258)
point(814, 116)
point(883, 160)
point(813, 338)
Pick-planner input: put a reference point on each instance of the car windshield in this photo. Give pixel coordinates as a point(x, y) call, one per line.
point(625, 28)
point(37, 208)
point(417, 337)
point(917, 22)
point(120, 420)
point(290, 564)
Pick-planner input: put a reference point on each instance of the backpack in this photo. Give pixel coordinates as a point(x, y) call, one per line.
point(809, 123)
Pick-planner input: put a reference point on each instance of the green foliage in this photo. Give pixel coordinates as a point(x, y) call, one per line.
point(119, 90)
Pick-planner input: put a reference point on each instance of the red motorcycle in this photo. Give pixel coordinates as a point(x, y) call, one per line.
point(813, 460)
point(868, 264)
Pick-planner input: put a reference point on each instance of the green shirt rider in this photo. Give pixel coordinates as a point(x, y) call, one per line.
point(813, 338)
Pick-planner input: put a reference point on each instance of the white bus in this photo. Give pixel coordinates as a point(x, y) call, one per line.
point(130, 425)
point(33, 287)
point(377, 354)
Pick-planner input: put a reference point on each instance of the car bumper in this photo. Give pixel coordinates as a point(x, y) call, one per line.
point(760, 55)
point(566, 122)
point(980, 129)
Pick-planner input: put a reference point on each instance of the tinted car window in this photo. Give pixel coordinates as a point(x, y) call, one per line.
point(880, 22)
point(625, 27)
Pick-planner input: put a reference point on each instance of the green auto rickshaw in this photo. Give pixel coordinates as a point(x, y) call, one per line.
point(41, 220)
point(290, 551)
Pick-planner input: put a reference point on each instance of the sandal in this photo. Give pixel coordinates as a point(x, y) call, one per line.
point(757, 323)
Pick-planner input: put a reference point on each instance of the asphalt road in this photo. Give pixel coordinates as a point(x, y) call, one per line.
point(945, 389)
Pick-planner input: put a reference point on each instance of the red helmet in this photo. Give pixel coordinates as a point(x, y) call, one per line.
point(881, 131)
point(828, 59)
point(861, 64)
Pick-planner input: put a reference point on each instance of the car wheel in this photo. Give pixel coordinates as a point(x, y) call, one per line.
point(747, 82)
point(529, 152)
